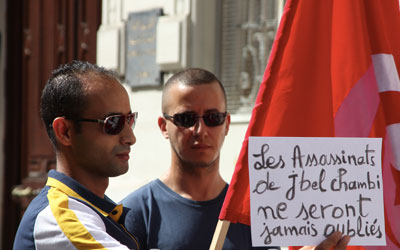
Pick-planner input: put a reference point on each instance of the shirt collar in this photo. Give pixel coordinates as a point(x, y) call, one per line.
point(74, 189)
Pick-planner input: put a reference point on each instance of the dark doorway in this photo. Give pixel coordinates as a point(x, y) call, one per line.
point(41, 35)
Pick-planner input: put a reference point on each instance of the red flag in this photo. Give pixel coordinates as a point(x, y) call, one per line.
point(333, 71)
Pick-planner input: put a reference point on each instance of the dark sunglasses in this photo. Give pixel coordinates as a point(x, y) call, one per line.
point(188, 119)
point(114, 124)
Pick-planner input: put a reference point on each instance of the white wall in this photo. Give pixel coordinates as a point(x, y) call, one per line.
point(2, 102)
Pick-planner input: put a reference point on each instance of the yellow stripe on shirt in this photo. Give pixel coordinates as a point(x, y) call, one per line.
point(69, 223)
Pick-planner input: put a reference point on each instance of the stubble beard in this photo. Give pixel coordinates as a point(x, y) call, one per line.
point(117, 168)
point(192, 166)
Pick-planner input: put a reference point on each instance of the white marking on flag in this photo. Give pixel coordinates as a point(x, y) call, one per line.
point(387, 79)
point(386, 73)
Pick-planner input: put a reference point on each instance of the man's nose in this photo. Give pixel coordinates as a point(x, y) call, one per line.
point(128, 137)
point(199, 127)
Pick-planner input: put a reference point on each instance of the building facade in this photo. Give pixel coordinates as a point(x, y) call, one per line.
point(145, 42)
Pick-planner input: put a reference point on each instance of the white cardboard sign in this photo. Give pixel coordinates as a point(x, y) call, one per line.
point(302, 189)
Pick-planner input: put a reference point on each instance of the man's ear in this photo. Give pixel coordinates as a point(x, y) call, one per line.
point(62, 130)
point(162, 123)
point(227, 123)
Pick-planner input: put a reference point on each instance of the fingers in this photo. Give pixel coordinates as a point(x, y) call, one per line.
point(343, 243)
point(335, 240)
point(330, 242)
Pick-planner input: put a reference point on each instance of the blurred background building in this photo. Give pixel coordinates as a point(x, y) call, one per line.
point(145, 42)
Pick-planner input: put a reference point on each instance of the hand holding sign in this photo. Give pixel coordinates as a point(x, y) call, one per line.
point(334, 241)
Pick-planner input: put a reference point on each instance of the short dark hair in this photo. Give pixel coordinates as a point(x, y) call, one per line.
point(192, 77)
point(64, 93)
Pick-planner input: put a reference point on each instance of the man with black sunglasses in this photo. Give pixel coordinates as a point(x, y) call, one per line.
point(180, 210)
point(87, 115)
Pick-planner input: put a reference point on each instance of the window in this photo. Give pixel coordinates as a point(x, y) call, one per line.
point(248, 30)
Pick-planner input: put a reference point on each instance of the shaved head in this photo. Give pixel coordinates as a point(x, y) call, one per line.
point(189, 77)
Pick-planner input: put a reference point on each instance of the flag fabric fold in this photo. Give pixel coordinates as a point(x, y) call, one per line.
point(333, 71)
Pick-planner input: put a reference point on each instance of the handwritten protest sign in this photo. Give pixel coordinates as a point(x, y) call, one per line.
point(303, 189)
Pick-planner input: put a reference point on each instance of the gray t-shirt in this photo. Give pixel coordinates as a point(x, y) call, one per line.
point(162, 219)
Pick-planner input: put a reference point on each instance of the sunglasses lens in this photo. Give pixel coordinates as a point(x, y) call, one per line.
point(184, 120)
point(114, 124)
point(214, 119)
point(131, 118)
